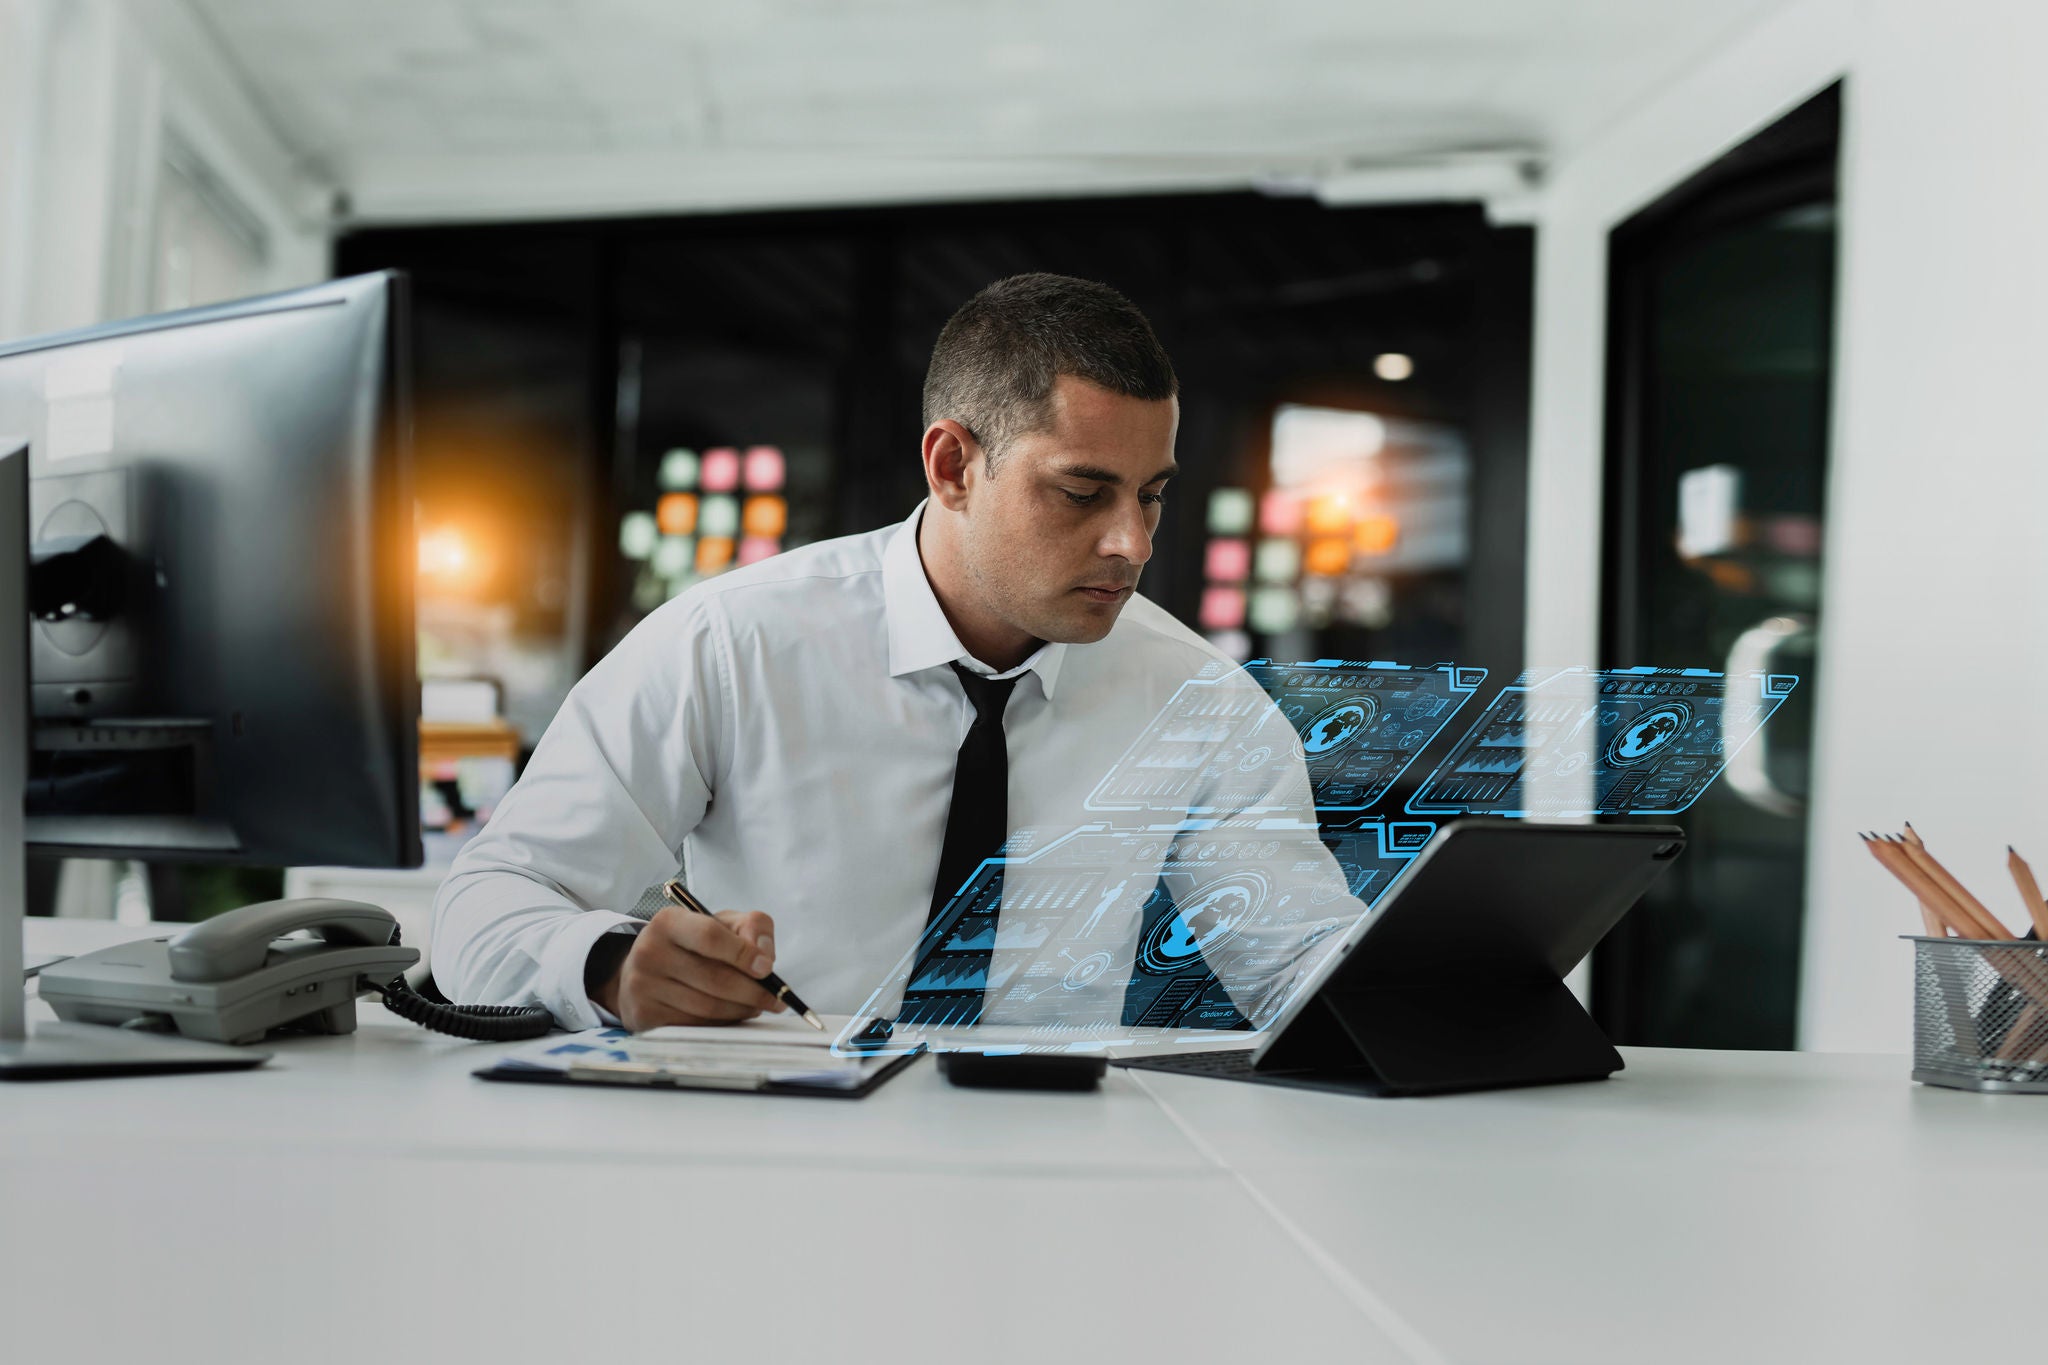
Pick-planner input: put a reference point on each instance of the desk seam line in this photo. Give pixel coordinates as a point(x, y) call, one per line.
point(1397, 1329)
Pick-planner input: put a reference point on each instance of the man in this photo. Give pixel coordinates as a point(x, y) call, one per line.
point(830, 740)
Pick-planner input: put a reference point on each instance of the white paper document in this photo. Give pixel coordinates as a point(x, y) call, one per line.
point(772, 1049)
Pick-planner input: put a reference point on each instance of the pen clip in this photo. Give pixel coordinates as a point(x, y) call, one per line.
point(679, 894)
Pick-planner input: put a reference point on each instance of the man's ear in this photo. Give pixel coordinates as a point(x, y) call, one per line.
point(949, 449)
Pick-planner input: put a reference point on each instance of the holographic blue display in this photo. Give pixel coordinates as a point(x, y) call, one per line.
point(1576, 741)
point(1107, 930)
point(1219, 744)
point(1361, 725)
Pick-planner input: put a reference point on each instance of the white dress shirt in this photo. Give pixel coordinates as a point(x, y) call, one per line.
point(787, 734)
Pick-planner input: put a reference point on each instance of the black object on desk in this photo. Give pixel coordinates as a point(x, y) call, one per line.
point(1456, 981)
point(1022, 1070)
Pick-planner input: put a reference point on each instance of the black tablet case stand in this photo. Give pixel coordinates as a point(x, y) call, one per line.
point(1418, 1038)
point(1457, 982)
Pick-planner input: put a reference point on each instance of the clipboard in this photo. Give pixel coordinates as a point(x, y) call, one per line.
point(649, 1077)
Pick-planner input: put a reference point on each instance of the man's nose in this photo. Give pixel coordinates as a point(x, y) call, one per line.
point(1129, 537)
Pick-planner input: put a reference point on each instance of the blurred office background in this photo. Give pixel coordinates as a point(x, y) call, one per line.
point(1512, 332)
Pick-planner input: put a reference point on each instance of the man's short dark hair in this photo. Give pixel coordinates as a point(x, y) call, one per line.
point(994, 366)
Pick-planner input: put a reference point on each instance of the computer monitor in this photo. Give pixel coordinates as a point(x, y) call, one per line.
point(206, 611)
point(220, 587)
point(13, 725)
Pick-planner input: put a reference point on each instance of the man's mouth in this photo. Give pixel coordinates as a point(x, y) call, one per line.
point(1111, 593)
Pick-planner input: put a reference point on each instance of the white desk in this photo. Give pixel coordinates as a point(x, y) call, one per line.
point(363, 1195)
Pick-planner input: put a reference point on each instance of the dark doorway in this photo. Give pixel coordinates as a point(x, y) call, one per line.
point(1720, 358)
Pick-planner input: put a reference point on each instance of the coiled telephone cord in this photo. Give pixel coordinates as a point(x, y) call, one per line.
point(477, 1023)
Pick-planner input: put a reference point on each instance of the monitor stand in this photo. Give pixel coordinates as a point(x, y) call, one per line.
point(52, 1051)
point(59, 1052)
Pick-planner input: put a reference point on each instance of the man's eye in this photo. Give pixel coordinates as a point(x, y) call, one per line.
point(1083, 499)
point(1152, 499)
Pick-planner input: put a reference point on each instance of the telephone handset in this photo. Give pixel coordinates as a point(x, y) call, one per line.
point(233, 978)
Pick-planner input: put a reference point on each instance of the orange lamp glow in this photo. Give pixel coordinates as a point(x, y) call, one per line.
point(1329, 514)
point(714, 553)
point(767, 516)
point(1327, 557)
point(1377, 534)
point(449, 561)
point(676, 514)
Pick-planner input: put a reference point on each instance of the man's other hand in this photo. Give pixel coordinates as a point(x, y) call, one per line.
point(687, 968)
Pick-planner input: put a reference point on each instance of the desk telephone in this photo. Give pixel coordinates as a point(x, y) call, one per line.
point(233, 978)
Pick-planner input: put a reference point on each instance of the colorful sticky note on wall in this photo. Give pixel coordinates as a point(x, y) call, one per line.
point(754, 549)
point(714, 553)
point(1227, 561)
point(721, 470)
point(1230, 512)
point(1328, 557)
point(672, 556)
point(768, 516)
point(1277, 561)
point(720, 517)
point(676, 513)
point(1279, 513)
point(678, 470)
point(1376, 535)
point(764, 469)
point(637, 533)
point(1222, 608)
point(1275, 610)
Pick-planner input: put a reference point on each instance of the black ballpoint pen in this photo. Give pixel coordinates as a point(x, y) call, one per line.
point(774, 984)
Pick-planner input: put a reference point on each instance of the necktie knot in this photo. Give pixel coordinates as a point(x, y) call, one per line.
point(991, 696)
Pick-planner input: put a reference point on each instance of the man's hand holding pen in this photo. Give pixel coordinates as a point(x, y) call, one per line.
point(687, 968)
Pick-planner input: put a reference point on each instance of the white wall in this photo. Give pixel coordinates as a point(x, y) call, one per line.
point(1935, 600)
point(91, 92)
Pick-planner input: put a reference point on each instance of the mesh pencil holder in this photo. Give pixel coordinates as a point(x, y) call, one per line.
point(1980, 1014)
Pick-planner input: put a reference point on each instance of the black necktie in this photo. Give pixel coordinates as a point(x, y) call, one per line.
point(979, 819)
point(946, 984)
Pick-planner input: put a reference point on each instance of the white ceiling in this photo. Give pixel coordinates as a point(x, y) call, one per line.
point(425, 109)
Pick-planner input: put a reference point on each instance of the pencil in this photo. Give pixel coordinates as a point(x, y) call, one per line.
point(2018, 1037)
point(2020, 969)
point(2030, 890)
point(1930, 917)
point(1916, 849)
point(1930, 897)
point(1895, 854)
point(680, 895)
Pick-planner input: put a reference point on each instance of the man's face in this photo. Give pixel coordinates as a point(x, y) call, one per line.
point(1055, 540)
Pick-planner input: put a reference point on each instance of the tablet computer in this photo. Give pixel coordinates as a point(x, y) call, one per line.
point(1456, 981)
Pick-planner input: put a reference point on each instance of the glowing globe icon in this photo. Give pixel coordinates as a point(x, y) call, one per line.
point(1335, 726)
point(1214, 914)
point(1649, 734)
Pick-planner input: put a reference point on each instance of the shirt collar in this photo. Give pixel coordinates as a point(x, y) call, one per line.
point(920, 636)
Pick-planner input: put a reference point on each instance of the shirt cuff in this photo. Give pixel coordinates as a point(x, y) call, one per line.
point(561, 968)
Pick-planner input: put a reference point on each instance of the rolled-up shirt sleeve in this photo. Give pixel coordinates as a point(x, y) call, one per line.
point(624, 772)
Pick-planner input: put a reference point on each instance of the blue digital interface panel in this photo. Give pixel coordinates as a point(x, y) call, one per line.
point(1221, 745)
point(1361, 725)
point(1108, 930)
point(1627, 741)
